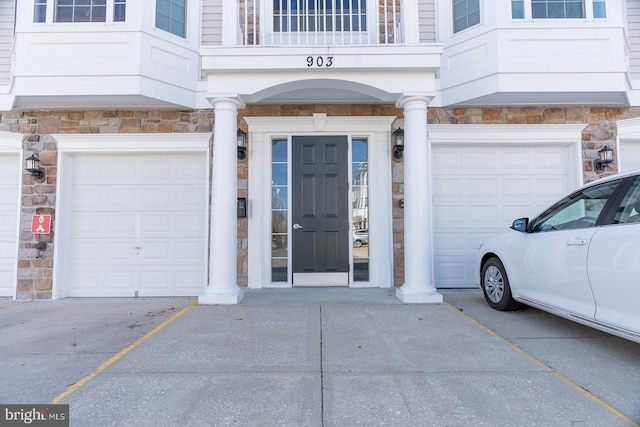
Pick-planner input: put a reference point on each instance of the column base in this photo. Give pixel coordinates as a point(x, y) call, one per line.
point(419, 297)
point(221, 299)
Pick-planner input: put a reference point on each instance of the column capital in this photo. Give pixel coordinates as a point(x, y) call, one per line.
point(408, 98)
point(216, 98)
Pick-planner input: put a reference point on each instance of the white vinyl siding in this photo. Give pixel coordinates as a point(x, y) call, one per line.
point(633, 36)
point(7, 11)
point(427, 13)
point(212, 22)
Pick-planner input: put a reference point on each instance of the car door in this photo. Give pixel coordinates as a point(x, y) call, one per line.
point(614, 266)
point(549, 264)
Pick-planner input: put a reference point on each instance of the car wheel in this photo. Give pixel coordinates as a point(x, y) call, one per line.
point(495, 285)
point(357, 244)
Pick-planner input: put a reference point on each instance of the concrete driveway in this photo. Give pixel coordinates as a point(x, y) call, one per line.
point(314, 357)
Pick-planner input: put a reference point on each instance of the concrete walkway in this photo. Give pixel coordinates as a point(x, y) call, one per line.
point(312, 357)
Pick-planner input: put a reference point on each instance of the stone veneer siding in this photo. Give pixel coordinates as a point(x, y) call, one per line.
point(35, 274)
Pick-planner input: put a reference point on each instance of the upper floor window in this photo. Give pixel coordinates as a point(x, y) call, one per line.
point(119, 10)
point(558, 9)
point(79, 10)
point(466, 13)
point(171, 16)
point(313, 15)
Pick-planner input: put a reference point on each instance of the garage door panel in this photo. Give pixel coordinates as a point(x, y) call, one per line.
point(118, 252)
point(481, 188)
point(629, 155)
point(159, 280)
point(190, 252)
point(149, 224)
point(190, 198)
point(449, 242)
point(119, 199)
point(185, 279)
point(81, 251)
point(448, 188)
point(190, 225)
point(84, 281)
point(9, 199)
point(118, 279)
point(479, 191)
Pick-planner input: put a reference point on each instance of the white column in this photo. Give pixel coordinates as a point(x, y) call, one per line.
point(223, 238)
point(418, 284)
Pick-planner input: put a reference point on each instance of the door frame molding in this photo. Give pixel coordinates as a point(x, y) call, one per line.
point(377, 131)
point(70, 145)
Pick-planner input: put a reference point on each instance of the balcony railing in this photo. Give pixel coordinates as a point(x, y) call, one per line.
point(319, 22)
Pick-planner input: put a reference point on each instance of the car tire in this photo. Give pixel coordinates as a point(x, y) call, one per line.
point(495, 286)
point(357, 244)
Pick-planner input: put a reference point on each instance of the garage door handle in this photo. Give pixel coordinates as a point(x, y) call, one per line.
point(579, 242)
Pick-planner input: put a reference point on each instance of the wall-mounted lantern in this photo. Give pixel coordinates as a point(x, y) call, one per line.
point(606, 157)
point(398, 143)
point(33, 166)
point(242, 145)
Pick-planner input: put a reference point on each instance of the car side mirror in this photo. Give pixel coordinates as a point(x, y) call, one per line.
point(520, 224)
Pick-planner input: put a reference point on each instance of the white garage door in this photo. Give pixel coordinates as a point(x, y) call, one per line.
point(479, 191)
point(629, 156)
point(137, 226)
point(9, 197)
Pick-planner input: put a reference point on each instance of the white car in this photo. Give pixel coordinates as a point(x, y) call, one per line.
point(579, 259)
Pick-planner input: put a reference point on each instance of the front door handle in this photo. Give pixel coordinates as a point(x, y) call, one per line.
point(297, 226)
point(577, 242)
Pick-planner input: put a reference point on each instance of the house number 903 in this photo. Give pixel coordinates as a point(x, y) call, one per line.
point(320, 61)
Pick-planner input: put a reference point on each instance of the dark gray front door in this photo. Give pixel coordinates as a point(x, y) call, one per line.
point(320, 211)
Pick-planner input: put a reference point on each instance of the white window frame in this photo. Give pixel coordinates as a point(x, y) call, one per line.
point(185, 23)
point(453, 17)
point(51, 6)
point(587, 5)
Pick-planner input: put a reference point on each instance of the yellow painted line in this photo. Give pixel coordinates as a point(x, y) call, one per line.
point(16, 304)
point(118, 356)
point(555, 373)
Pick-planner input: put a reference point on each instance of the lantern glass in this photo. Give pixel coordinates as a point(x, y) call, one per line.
point(33, 163)
point(606, 155)
point(242, 138)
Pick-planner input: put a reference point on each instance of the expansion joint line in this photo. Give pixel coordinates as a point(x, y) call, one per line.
point(321, 375)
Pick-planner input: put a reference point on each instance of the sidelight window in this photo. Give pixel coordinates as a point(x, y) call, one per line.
point(360, 209)
point(279, 211)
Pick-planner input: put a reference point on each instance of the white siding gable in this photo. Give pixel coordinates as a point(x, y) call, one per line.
point(633, 35)
point(7, 12)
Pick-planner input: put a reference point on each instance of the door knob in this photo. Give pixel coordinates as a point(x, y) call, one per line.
point(297, 226)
